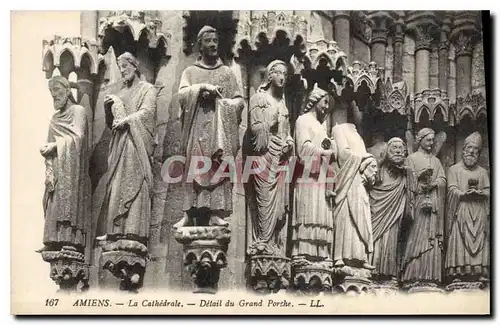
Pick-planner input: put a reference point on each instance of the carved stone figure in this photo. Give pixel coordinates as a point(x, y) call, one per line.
point(388, 207)
point(467, 256)
point(67, 188)
point(271, 142)
point(356, 171)
point(426, 194)
point(210, 108)
point(312, 217)
point(126, 208)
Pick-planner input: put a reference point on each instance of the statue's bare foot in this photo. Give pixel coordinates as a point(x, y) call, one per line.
point(218, 221)
point(339, 263)
point(368, 266)
point(181, 223)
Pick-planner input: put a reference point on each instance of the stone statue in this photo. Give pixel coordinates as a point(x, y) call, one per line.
point(270, 140)
point(126, 207)
point(388, 207)
point(210, 108)
point(271, 143)
point(312, 217)
point(356, 170)
point(426, 195)
point(67, 183)
point(467, 256)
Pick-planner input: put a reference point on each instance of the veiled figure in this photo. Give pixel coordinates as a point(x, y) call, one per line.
point(272, 145)
point(356, 171)
point(467, 256)
point(210, 107)
point(422, 260)
point(388, 206)
point(67, 183)
point(131, 116)
point(312, 217)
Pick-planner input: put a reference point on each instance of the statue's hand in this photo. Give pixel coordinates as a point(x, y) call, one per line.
point(119, 125)
point(48, 149)
point(108, 100)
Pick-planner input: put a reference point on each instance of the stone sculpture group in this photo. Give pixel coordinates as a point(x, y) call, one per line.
point(342, 212)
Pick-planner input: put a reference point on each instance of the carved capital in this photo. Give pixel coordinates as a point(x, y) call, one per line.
point(444, 45)
point(381, 22)
point(424, 37)
point(464, 44)
point(67, 268)
point(360, 26)
point(341, 14)
point(205, 251)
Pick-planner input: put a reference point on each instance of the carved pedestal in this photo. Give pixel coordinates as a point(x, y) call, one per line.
point(269, 272)
point(422, 286)
point(312, 277)
point(204, 254)
point(67, 268)
point(384, 287)
point(348, 279)
point(126, 260)
point(467, 286)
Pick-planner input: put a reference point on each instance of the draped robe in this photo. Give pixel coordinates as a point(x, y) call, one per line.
point(388, 203)
point(67, 186)
point(467, 219)
point(270, 191)
point(312, 217)
point(353, 236)
point(127, 202)
point(423, 252)
point(208, 126)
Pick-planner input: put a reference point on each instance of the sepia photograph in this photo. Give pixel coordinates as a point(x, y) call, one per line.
point(251, 162)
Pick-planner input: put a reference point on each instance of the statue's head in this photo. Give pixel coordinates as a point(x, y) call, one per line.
point(129, 67)
point(396, 149)
point(208, 42)
point(60, 90)
point(425, 139)
point(275, 76)
point(472, 149)
point(318, 101)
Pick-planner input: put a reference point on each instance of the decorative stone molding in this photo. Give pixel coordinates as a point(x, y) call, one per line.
point(472, 105)
point(78, 47)
point(138, 23)
point(394, 97)
point(359, 72)
point(467, 286)
point(418, 286)
point(67, 268)
point(205, 251)
point(256, 29)
point(330, 51)
point(312, 277)
point(126, 260)
point(432, 101)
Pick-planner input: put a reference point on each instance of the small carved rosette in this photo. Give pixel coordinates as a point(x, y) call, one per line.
point(67, 269)
point(125, 259)
point(205, 251)
point(269, 272)
point(349, 279)
point(312, 277)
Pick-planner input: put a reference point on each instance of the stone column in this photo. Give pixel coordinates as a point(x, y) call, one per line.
point(452, 75)
point(434, 68)
point(88, 24)
point(463, 57)
point(381, 21)
point(389, 59)
point(409, 63)
point(423, 41)
point(342, 28)
point(443, 54)
point(397, 45)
